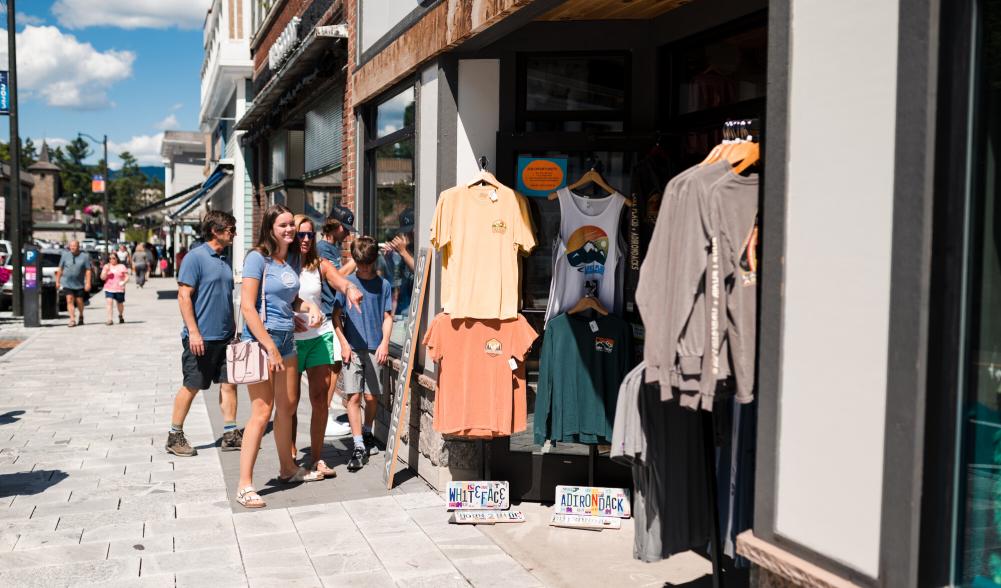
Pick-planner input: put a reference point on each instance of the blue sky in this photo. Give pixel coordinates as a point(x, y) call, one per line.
point(126, 68)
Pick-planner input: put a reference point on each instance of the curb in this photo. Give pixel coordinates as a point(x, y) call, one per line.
point(13, 352)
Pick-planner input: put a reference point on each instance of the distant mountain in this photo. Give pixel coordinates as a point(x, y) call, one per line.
point(150, 171)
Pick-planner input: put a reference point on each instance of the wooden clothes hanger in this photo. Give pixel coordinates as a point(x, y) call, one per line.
point(592, 177)
point(753, 156)
point(589, 303)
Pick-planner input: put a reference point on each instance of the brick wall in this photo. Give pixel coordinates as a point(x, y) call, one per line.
point(348, 171)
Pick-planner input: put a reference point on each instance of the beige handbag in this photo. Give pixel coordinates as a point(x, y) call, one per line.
point(247, 361)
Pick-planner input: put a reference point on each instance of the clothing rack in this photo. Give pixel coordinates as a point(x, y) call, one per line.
point(715, 545)
point(741, 129)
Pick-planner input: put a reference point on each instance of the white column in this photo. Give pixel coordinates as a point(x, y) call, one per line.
point(839, 222)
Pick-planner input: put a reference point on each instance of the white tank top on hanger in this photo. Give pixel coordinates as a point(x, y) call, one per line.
point(586, 256)
point(311, 291)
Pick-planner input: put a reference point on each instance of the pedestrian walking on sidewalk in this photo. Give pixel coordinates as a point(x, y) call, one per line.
point(364, 337)
point(73, 277)
point(115, 274)
point(205, 296)
point(123, 255)
point(269, 299)
point(141, 265)
point(318, 348)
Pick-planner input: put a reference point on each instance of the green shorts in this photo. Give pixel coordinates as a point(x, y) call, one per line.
point(322, 350)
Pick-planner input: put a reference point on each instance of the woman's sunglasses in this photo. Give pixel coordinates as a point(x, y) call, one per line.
point(304, 234)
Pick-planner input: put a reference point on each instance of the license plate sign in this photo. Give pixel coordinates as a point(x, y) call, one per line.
point(491, 495)
point(598, 502)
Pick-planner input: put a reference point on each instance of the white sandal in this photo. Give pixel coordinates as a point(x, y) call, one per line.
point(249, 498)
point(301, 475)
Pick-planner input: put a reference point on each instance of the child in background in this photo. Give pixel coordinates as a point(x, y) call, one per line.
point(115, 274)
point(364, 336)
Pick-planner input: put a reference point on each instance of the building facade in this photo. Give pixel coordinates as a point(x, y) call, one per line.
point(876, 362)
point(225, 94)
point(294, 126)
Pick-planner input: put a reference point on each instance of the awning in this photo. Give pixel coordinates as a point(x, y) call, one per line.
point(166, 201)
point(220, 177)
point(303, 60)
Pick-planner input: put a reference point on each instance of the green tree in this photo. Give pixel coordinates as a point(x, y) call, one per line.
point(127, 186)
point(75, 173)
point(29, 153)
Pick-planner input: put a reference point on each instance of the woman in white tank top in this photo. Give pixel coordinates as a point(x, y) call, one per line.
point(318, 348)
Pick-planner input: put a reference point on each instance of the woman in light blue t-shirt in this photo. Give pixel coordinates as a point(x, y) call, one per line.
point(274, 262)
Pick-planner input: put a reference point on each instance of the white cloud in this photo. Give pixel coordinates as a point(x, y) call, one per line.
point(53, 142)
point(145, 148)
point(131, 14)
point(27, 19)
point(22, 18)
point(63, 71)
point(168, 123)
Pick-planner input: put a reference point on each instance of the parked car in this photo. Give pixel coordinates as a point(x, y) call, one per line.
point(50, 261)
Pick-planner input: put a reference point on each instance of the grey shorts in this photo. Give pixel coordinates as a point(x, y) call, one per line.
point(362, 374)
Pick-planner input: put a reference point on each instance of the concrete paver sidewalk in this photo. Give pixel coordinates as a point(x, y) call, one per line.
point(88, 495)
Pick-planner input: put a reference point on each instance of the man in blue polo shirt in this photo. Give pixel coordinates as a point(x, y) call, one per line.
point(205, 295)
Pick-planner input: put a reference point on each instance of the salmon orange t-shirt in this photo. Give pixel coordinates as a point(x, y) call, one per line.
point(479, 395)
point(480, 232)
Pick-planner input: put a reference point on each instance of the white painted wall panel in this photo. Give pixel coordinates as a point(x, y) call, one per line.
point(427, 185)
point(842, 105)
point(479, 115)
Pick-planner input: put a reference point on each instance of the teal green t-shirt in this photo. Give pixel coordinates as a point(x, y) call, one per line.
point(579, 375)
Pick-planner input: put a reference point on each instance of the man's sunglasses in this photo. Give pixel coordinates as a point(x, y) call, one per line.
point(304, 234)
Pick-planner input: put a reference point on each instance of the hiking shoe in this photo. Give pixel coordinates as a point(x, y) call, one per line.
point(231, 440)
point(358, 459)
point(371, 444)
point(178, 445)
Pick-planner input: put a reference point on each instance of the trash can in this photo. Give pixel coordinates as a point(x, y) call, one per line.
point(50, 302)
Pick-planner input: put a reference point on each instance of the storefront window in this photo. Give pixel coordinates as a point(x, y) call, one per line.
point(724, 72)
point(573, 93)
point(395, 114)
point(391, 196)
point(978, 555)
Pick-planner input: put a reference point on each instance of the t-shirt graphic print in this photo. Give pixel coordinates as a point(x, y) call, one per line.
point(587, 252)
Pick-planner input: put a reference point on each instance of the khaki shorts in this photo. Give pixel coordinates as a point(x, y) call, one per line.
point(362, 374)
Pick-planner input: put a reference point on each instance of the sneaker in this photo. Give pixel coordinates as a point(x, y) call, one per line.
point(371, 444)
point(178, 445)
point(121, 320)
point(336, 428)
point(231, 440)
point(358, 459)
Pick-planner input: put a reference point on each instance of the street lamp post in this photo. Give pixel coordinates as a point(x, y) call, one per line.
point(107, 182)
point(16, 238)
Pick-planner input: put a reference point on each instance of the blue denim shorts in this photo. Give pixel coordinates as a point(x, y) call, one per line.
point(284, 340)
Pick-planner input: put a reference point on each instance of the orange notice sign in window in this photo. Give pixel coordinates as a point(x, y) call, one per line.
point(538, 176)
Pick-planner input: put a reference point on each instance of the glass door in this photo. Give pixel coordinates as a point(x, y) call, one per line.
point(977, 538)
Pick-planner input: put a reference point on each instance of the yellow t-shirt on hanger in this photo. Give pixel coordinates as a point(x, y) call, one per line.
point(480, 232)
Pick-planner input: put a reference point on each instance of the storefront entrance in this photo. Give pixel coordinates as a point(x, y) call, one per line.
point(638, 102)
